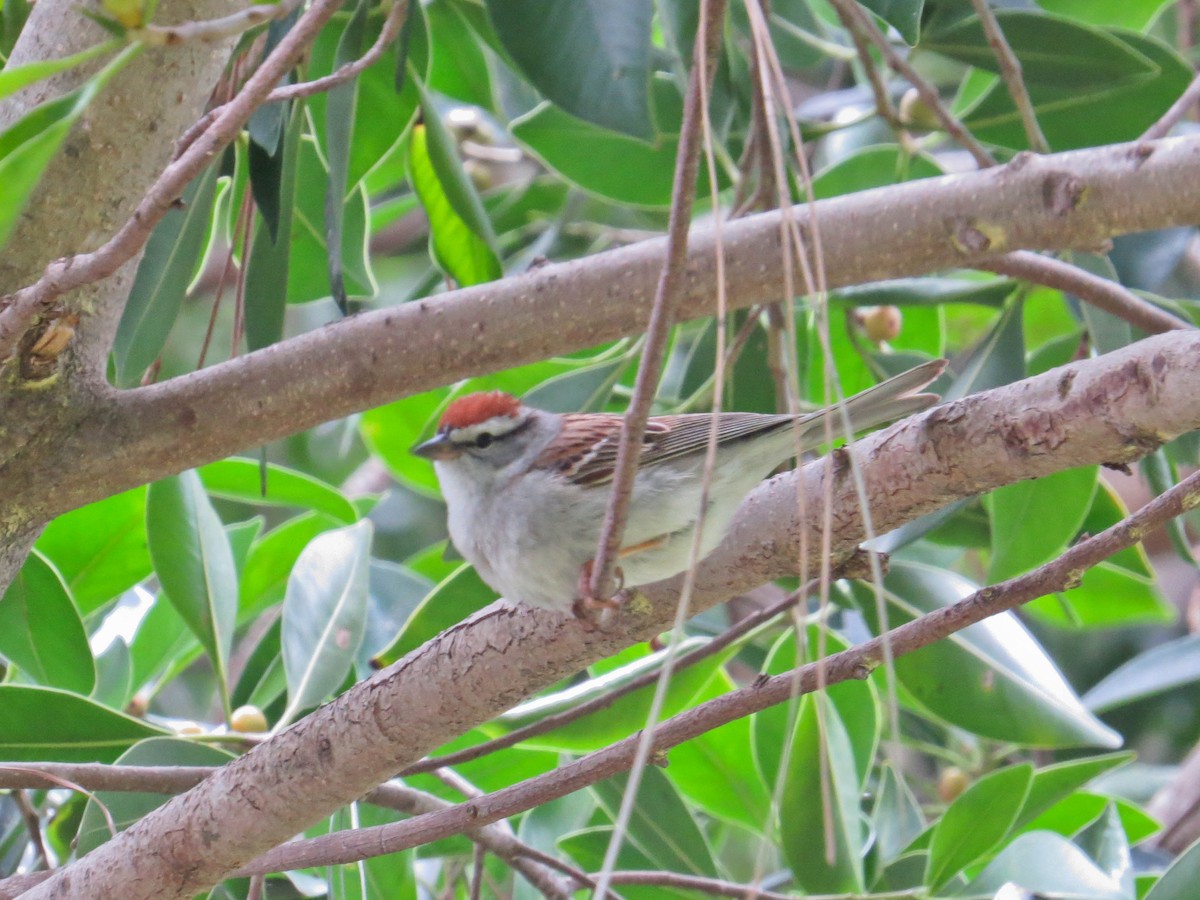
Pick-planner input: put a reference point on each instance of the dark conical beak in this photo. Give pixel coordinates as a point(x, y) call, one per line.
point(437, 447)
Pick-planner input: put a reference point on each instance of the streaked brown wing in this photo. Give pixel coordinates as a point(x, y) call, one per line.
point(585, 452)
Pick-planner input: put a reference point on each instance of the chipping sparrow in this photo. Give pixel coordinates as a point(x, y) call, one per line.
point(527, 489)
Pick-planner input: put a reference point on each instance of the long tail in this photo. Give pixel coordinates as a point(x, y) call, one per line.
point(888, 401)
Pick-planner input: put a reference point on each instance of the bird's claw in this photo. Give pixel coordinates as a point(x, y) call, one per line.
point(593, 609)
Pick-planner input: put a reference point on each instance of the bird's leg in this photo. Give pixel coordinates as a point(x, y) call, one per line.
point(588, 607)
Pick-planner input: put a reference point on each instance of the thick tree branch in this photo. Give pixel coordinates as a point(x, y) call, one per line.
point(1109, 410)
point(1071, 200)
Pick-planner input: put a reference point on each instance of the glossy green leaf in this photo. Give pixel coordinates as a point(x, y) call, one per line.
point(1179, 881)
point(324, 614)
point(998, 359)
point(570, 146)
point(461, 238)
point(872, 167)
point(976, 822)
point(1107, 597)
point(458, 67)
point(927, 291)
point(340, 112)
point(661, 826)
point(167, 267)
point(194, 562)
point(711, 772)
point(1033, 521)
point(1160, 668)
point(896, 815)
point(1051, 50)
point(241, 479)
point(29, 144)
point(126, 807)
point(591, 57)
point(114, 675)
point(269, 257)
point(587, 848)
point(992, 678)
point(14, 78)
point(45, 724)
point(1053, 783)
point(1105, 842)
point(818, 867)
point(623, 716)
point(903, 15)
point(1077, 117)
point(1135, 14)
point(1073, 813)
point(1048, 865)
point(270, 561)
point(454, 598)
point(41, 632)
point(162, 638)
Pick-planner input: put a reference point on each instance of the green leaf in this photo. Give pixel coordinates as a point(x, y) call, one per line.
point(1135, 14)
point(711, 772)
point(897, 814)
point(591, 57)
point(661, 826)
point(194, 562)
point(817, 867)
point(1056, 782)
point(340, 112)
point(1047, 865)
point(1161, 668)
point(162, 638)
point(127, 807)
point(270, 561)
point(1051, 50)
point(930, 291)
point(623, 716)
point(455, 598)
point(114, 675)
point(1074, 117)
point(269, 256)
point(45, 724)
point(976, 822)
point(17, 77)
point(992, 678)
point(461, 238)
point(167, 268)
point(1107, 845)
point(41, 632)
point(28, 145)
point(1107, 597)
point(571, 146)
point(1179, 881)
point(587, 848)
point(100, 549)
point(903, 15)
point(241, 480)
point(1073, 813)
point(996, 360)
point(458, 67)
point(324, 613)
point(1033, 521)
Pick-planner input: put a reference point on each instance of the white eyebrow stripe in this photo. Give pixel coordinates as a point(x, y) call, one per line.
point(496, 426)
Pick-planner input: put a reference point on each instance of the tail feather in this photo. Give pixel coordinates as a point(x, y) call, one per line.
point(888, 401)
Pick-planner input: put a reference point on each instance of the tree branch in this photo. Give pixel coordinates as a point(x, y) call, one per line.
point(1108, 410)
point(1070, 200)
point(1110, 296)
point(1010, 71)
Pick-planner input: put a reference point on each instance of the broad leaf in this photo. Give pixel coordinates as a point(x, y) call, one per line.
point(45, 724)
point(41, 632)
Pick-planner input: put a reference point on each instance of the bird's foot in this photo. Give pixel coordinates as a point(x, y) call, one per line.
point(594, 610)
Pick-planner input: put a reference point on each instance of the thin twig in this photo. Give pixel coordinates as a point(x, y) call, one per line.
point(1101, 293)
point(1178, 110)
point(64, 275)
point(883, 101)
point(213, 29)
point(849, 9)
point(714, 886)
point(857, 662)
point(1010, 71)
point(33, 825)
point(662, 315)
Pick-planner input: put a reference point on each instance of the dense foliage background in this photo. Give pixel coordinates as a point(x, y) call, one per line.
point(490, 137)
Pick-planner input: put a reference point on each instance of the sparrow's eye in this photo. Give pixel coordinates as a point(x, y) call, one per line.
point(484, 440)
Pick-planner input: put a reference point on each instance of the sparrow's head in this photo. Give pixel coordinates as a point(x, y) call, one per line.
point(490, 427)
